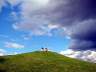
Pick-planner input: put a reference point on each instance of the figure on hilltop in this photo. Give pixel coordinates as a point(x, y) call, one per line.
point(44, 49)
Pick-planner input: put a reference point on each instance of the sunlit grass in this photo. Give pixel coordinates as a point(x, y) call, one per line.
point(44, 62)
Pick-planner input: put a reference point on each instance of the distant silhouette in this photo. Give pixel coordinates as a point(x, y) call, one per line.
point(46, 49)
point(42, 49)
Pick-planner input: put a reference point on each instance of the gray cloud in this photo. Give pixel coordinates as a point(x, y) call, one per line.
point(76, 17)
point(80, 24)
point(82, 45)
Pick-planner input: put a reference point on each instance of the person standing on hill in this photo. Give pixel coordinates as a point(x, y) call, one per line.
point(46, 49)
point(42, 49)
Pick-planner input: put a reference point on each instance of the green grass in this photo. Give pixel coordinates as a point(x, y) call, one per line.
point(44, 62)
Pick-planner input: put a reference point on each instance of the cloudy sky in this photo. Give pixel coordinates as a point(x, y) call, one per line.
point(61, 25)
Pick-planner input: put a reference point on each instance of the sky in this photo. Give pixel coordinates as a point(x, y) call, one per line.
point(64, 26)
point(21, 32)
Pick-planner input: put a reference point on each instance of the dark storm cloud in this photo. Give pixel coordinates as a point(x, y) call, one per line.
point(83, 35)
point(66, 12)
point(85, 30)
point(79, 19)
point(82, 45)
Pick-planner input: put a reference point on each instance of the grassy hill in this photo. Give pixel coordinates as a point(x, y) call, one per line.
point(43, 62)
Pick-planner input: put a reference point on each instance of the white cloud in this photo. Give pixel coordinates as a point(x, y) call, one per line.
point(2, 52)
point(34, 25)
point(34, 18)
point(13, 45)
point(53, 26)
point(87, 55)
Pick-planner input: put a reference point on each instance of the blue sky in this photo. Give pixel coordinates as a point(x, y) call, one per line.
point(21, 41)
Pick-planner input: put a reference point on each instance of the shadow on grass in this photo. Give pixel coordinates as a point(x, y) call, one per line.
point(3, 71)
point(2, 64)
point(2, 60)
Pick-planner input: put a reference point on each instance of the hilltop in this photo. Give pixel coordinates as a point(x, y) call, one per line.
point(43, 62)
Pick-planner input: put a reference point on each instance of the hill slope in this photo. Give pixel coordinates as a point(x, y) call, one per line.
point(43, 62)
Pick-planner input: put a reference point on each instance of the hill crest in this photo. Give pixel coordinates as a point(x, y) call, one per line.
point(39, 61)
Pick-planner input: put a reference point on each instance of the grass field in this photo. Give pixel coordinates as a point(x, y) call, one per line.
point(43, 62)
